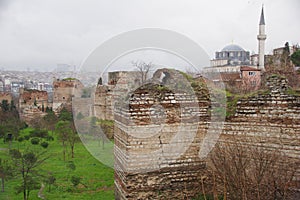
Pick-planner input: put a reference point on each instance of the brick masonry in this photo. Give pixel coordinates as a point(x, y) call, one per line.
point(149, 164)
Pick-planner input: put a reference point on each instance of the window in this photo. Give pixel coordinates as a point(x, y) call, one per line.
point(251, 73)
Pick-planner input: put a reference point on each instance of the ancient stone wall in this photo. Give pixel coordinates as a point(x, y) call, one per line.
point(30, 114)
point(157, 143)
point(119, 83)
point(270, 120)
point(103, 102)
point(32, 104)
point(30, 97)
point(146, 167)
point(63, 92)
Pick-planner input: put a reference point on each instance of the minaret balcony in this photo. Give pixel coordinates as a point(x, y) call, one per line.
point(261, 37)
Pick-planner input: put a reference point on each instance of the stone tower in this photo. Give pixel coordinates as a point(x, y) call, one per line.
point(261, 41)
point(157, 140)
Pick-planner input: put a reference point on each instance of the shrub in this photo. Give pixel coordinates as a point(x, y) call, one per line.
point(38, 133)
point(75, 180)
point(35, 141)
point(49, 138)
point(20, 139)
point(26, 137)
point(71, 165)
point(44, 144)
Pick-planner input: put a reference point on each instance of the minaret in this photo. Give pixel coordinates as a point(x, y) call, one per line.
point(261, 41)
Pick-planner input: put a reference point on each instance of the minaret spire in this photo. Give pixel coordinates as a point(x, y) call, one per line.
point(262, 17)
point(261, 41)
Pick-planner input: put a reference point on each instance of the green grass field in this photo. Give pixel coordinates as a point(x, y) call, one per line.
point(97, 179)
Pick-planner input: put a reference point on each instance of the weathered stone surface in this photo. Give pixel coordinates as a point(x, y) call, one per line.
point(157, 140)
point(63, 92)
point(271, 121)
point(32, 104)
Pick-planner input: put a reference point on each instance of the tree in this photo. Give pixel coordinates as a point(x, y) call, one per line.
point(37, 123)
point(73, 138)
point(5, 172)
point(35, 102)
point(63, 129)
point(10, 122)
point(50, 120)
point(65, 115)
point(50, 180)
point(244, 172)
point(75, 180)
point(12, 105)
point(25, 165)
point(67, 131)
point(295, 57)
point(4, 105)
point(282, 64)
point(143, 68)
point(71, 166)
point(67, 134)
point(285, 57)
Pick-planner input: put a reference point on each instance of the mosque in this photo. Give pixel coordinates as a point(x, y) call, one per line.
point(233, 56)
point(235, 64)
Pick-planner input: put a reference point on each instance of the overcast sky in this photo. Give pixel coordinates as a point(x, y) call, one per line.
point(43, 33)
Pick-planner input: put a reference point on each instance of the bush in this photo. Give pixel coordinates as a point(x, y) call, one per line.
point(20, 139)
point(71, 165)
point(35, 141)
point(39, 133)
point(75, 180)
point(49, 138)
point(44, 144)
point(26, 137)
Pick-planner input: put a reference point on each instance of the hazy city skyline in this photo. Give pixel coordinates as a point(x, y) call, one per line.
point(43, 34)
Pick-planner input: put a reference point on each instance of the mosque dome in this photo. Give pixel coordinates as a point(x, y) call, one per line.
point(233, 55)
point(232, 47)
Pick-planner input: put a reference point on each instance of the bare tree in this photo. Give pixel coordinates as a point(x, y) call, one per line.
point(282, 64)
point(249, 84)
point(240, 170)
point(143, 68)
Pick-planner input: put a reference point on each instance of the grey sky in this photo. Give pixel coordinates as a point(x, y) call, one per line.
point(44, 33)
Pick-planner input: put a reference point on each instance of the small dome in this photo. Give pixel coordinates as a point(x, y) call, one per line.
point(233, 47)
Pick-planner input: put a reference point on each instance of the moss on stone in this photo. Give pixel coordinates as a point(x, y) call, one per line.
point(69, 79)
point(293, 92)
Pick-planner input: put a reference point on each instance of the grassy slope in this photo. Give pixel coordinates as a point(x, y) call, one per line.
point(97, 177)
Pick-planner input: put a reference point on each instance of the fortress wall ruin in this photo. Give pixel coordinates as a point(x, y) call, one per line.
point(270, 120)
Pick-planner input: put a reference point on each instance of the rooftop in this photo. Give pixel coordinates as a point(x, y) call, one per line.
point(233, 47)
